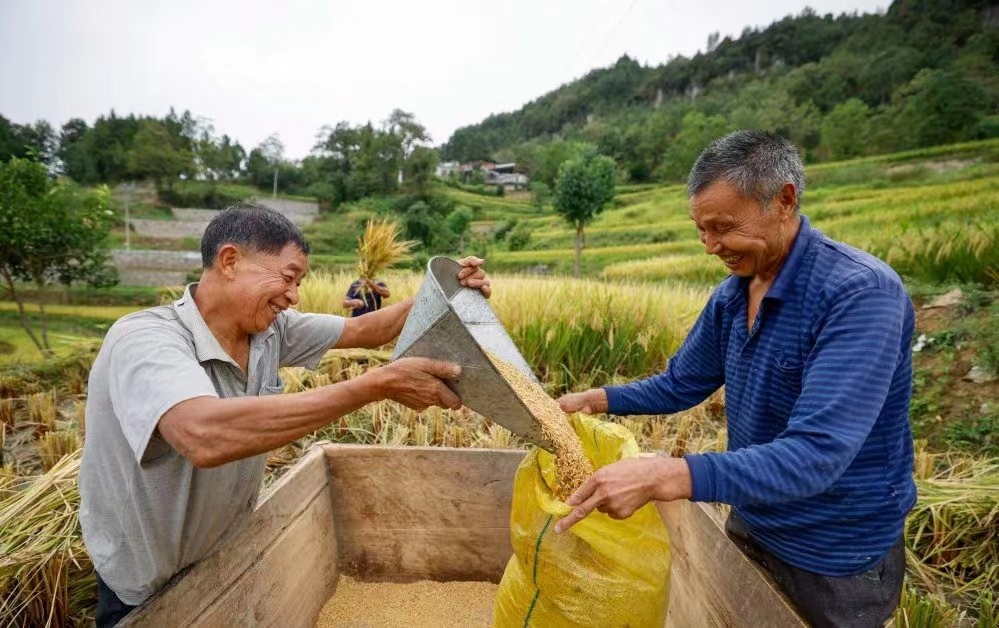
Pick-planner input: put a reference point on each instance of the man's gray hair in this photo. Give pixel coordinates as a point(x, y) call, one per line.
point(757, 163)
point(257, 227)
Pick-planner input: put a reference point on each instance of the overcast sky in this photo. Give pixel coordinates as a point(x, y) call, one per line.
point(255, 68)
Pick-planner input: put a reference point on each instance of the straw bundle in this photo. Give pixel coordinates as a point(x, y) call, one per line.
point(953, 531)
point(379, 248)
point(46, 578)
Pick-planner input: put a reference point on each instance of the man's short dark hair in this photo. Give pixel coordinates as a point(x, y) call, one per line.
point(757, 163)
point(257, 227)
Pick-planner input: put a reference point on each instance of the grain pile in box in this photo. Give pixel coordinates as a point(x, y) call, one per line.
point(425, 604)
point(572, 467)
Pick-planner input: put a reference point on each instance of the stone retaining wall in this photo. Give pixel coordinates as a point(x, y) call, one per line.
point(162, 268)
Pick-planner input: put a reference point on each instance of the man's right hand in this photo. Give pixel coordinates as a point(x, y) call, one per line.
point(417, 383)
point(592, 401)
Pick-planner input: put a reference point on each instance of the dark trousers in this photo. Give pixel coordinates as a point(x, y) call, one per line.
point(110, 609)
point(861, 601)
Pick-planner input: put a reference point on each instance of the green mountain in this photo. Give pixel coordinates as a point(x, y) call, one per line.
point(924, 73)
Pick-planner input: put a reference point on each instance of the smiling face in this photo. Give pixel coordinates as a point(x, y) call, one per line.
point(264, 284)
point(749, 241)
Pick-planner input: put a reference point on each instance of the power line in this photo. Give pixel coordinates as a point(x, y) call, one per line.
point(589, 35)
point(612, 31)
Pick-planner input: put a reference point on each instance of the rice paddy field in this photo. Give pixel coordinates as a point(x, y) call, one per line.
point(933, 214)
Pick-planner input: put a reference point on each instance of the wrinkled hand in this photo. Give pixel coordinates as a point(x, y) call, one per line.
point(416, 383)
point(592, 401)
point(472, 275)
point(621, 488)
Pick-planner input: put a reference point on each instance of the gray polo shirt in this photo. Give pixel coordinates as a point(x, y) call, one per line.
point(146, 512)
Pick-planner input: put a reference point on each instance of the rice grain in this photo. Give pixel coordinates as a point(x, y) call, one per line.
point(572, 467)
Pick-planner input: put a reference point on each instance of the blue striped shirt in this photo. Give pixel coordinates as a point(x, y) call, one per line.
point(819, 460)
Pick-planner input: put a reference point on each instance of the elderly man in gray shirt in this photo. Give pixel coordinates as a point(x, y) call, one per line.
point(183, 402)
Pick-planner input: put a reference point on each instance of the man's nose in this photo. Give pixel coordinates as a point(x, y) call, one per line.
point(711, 244)
point(292, 294)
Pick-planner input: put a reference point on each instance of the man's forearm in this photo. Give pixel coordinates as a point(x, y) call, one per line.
point(392, 320)
point(210, 431)
point(375, 328)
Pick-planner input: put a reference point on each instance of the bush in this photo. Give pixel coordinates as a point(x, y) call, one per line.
point(504, 228)
point(200, 196)
point(519, 237)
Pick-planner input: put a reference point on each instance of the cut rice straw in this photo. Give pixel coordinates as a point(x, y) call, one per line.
point(379, 248)
point(953, 531)
point(45, 573)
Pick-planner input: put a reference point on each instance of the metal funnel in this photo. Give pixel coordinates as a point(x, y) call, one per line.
point(456, 324)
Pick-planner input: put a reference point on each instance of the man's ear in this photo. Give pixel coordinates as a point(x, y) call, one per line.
point(787, 199)
point(226, 260)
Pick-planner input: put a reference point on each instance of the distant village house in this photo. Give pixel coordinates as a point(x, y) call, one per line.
point(507, 175)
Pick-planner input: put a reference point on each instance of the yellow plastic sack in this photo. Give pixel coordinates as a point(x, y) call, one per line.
point(602, 571)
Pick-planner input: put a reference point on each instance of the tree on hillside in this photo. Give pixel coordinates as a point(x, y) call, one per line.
point(845, 131)
point(698, 131)
point(50, 233)
point(108, 143)
point(411, 133)
point(270, 155)
point(75, 153)
point(155, 155)
point(545, 160)
point(938, 107)
point(583, 188)
point(418, 170)
point(37, 141)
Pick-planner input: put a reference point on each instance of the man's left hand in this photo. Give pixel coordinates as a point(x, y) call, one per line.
point(621, 488)
point(472, 275)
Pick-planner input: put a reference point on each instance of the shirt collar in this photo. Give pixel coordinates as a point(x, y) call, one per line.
point(206, 346)
point(784, 283)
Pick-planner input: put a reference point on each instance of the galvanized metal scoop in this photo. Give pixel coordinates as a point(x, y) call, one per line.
point(456, 324)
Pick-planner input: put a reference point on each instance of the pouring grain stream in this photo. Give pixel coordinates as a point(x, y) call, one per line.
point(572, 467)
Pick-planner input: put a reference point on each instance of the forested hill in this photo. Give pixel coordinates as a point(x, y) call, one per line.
point(925, 72)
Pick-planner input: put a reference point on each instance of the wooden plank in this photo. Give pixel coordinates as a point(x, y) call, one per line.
point(422, 513)
point(192, 592)
point(289, 583)
point(712, 583)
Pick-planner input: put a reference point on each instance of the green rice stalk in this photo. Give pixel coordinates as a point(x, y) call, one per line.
point(919, 610)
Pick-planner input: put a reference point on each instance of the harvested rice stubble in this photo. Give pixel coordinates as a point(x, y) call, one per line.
point(572, 467)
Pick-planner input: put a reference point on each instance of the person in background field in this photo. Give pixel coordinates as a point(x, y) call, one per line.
point(365, 295)
point(811, 339)
point(184, 402)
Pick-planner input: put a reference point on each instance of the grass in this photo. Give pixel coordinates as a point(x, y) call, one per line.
point(69, 326)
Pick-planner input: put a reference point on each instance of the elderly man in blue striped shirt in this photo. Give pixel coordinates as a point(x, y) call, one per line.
point(811, 339)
